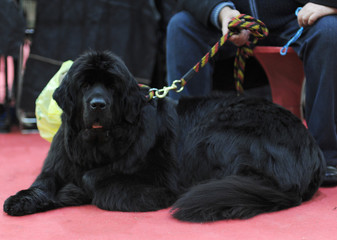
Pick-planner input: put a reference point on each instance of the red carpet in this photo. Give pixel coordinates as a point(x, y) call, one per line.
point(21, 157)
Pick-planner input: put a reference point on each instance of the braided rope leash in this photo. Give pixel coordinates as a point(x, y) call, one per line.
point(258, 30)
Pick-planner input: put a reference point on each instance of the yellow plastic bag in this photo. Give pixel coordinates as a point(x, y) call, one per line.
point(48, 113)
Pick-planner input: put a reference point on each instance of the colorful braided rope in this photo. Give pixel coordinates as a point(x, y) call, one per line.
point(258, 30)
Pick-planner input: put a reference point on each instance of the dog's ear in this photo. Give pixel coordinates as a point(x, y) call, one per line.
point(63, 95)
point(134, 100)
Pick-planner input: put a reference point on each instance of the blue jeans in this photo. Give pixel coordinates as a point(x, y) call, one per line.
point(188, 41)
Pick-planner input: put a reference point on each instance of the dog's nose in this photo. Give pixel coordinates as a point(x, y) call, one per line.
point(97, 104)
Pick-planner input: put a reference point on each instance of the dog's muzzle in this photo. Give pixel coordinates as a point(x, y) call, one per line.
point(97, 104)
point(97, 100)
point(97, 107)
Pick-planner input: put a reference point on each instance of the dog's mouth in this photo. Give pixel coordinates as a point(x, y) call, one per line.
point(96, 125)
point(97, 132)
point(96, 122)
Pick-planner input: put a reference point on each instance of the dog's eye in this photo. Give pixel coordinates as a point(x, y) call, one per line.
point(85, 85)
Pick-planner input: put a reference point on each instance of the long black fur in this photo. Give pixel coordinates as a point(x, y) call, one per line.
point(212, 158)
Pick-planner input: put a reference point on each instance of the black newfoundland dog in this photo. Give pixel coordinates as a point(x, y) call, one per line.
point(211, 158)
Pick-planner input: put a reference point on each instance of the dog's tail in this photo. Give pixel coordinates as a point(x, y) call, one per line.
point(233, 197)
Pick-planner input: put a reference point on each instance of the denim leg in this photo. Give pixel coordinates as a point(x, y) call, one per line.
point(187, 42)
point(318, 50)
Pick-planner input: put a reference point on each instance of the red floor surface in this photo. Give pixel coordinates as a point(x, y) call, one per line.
point(21, 157)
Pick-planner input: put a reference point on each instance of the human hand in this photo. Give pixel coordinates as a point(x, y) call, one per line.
point(225, 16)
point(311, 12)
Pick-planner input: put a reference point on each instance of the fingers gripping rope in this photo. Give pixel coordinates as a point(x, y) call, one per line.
point(257, 29)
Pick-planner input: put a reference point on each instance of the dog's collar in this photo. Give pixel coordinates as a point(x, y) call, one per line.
point(151, 92)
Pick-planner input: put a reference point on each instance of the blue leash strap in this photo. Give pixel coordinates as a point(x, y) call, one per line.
point(298, 34)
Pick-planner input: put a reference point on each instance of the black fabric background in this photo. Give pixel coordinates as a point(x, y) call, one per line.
point(64, 29)
point(12, 28)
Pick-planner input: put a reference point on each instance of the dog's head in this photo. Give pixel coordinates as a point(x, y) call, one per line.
point(99, 92)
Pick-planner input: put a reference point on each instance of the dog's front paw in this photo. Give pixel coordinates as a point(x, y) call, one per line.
point(26, 202)
point(20, 204)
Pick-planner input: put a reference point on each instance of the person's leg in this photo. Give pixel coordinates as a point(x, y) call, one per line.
point(187, 42)
point(318, 51)
point(317, 48)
